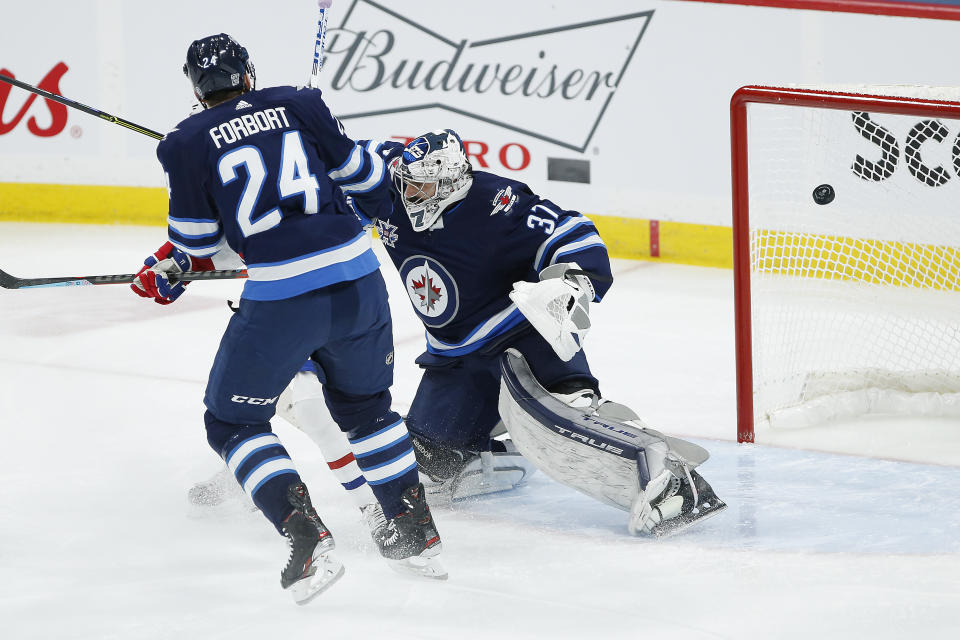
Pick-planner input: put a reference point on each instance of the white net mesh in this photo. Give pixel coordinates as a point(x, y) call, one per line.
point(855, 299)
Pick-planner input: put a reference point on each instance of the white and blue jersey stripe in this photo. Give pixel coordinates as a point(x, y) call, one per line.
point(362, 172)
point(288, 278)
point(573, 240)
point(493, 327)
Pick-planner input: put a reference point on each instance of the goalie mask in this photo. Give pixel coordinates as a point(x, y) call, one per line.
point(432, 174)
point(217, 63)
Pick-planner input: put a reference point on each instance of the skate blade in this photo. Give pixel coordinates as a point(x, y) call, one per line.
point(681, 523)
point(329, 570)
point(422, 566)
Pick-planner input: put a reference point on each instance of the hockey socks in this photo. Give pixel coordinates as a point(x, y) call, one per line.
point(348, 474)
point(386, 458)
point(264, 469)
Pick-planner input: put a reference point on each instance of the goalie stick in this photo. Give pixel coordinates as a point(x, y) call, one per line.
point(82, 107)
point(8, 281)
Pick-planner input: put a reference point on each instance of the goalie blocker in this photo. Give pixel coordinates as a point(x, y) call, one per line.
point(601, 454)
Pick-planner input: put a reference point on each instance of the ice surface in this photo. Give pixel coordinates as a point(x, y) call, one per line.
point(102, 436)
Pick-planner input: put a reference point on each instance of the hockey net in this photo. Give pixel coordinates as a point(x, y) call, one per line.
point(847, 303)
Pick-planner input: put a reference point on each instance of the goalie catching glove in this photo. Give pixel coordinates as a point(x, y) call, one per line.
point(153, 280)
point(558, 306)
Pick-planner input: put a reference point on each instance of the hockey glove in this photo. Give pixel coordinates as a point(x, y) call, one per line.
point(153, 280)
point(558, 307)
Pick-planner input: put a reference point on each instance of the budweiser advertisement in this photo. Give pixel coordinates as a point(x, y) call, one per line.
point(620, 110)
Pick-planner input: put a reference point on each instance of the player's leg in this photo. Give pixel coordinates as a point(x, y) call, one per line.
point(302, 404)
point(605, 452)
point(358, 368)
point(451, 419)
point(252, 366)
point(571, 381)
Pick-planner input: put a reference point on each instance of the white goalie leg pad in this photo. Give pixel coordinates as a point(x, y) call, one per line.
point(610, 460)
point(489, 472)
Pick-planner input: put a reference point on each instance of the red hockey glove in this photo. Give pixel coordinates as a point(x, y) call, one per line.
point(152, 281)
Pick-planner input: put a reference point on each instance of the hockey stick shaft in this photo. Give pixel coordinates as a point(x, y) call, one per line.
point(320, 43)
point(82, 107)
point(8, 281)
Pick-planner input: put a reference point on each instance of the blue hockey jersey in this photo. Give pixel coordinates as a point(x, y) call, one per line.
point(260, 173)
point(459, 273)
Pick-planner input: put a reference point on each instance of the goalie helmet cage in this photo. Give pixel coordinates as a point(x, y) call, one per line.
point(846, 234)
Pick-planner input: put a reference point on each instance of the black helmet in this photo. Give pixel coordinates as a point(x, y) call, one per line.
point(217, 63)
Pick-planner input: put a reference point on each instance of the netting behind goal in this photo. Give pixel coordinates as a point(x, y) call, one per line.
point(847, 253)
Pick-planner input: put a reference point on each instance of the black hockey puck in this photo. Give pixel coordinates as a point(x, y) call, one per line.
point(824, 194)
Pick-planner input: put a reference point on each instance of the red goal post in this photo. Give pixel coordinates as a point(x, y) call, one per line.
point(864, 110)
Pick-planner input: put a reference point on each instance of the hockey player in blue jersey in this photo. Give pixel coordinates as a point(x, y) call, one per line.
point(493, 269)
point(460, 239)
point(262, 172)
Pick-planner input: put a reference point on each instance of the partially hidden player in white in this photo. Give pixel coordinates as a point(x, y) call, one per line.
point(502, 281)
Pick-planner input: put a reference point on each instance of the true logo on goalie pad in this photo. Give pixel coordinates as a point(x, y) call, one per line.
point(432, 290)
point(604, 425)
point(579, 437)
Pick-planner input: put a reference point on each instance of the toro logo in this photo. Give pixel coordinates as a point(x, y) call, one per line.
point(510, 80)
point(58, 112)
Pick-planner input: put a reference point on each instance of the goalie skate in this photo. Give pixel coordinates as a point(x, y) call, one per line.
point(451, 474)
point(311, 568)
point(679, 506)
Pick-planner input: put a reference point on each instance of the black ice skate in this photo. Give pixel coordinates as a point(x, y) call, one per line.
point(410, 541)
point(311, 568)
point(440, 465)
point(453, 474)
point(683, 504)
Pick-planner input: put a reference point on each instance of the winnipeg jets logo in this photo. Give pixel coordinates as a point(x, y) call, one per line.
point(503, 201)
point(432, 291)
point(429, 293)
point(387, 233)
